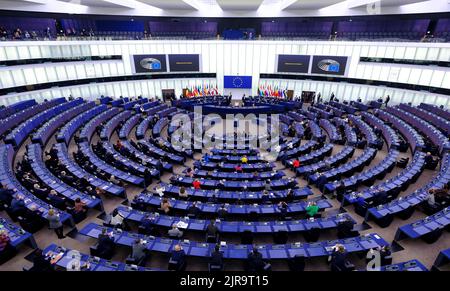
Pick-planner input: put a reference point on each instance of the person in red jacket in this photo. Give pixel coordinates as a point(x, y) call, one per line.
point(296, 163)
point(238, 168)
point(196, 184)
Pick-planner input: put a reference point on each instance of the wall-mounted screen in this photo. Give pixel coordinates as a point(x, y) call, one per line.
point(184, 63)
point(240, 82)
point(293, 64)
point(150, 63)
point(329, 65)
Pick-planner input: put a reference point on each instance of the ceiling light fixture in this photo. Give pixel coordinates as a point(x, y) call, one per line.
point(273, 7)
point(206, 6)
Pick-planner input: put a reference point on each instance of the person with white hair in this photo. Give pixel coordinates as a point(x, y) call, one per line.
point(175, 232)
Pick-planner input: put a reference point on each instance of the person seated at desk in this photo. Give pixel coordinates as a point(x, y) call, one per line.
point(312, 209)
point(385, 254)
point(134, 144)
point(159, 189)
point(117, 220)
point(276, 175)
point(216, 259)
point(291, 130)
point(148, 224)
point(67, 178)
point(165, 205)
point(321, 181)
point(174, 232)
point(33, 214)
point(138, 251)
point(283, 208)
point(206, 158)
point(345, 228)
point(55, 223)
point(339, 191)
point(17, 207)
point(39, 191)
point(338, 258)
point(265, 197)
point(56, 201)
point(5, 195)
point(193, 210)
point(238, 168)
point(113, 180)
point(79, 206)
point(106, 244)
point(255, 262)
point(212, 230)
point(442, 196)
point(27, 179)
point(83, 183)
point(6, 250)
point(196, 184)
point(51, 162)
point(177, 258)
point(41, 263)
point(189, 172)
point(430, 162)
point(222, 212)
point(290, 196)
point(295, 163)
point(98, 192)
point(91, 192)
point(182, 193)
point(431, 200)
point(213, 199)
point(118, 145)
point(244, 160)
point(267, 185)
point(147, 173)
point(220, 184)
point(381, 196)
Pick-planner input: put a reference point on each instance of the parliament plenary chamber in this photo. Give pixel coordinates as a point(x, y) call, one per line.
point(190, 136)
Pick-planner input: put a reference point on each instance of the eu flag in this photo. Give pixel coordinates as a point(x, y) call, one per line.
point(240, 82)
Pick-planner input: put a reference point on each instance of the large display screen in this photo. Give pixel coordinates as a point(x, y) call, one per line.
point(329, 65)
point(293, 64)
point(241, 82)
point(150, 63)
point(184, 63)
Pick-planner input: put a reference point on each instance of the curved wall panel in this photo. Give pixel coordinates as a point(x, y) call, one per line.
point(245, 58)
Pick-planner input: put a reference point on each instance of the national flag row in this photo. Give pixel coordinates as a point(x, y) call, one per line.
point(202, 90)
point(267, 90)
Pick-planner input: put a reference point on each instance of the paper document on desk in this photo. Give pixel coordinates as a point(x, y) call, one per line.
point(182, 224)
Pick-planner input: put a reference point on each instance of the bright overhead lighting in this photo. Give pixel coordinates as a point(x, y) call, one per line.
point(206, 6)
point(359, 3)
point(126, 3)
point(133, 4)
point(272, 7)
point(73, 6)
point(37, 1)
